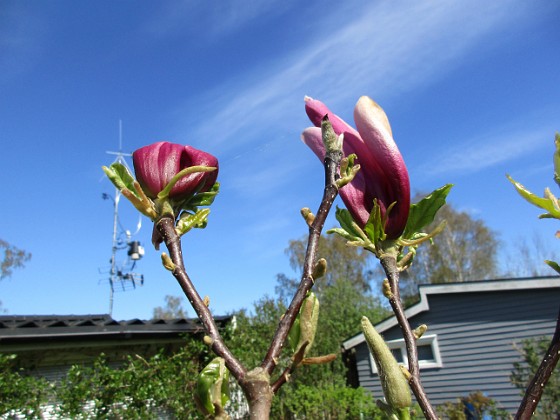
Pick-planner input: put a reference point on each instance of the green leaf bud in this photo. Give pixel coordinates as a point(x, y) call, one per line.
point(167, 262)
point(419, 331)
point(308, 216)
point(305, 326)
point(320, 269)
point(212, 388)
point(395, 386)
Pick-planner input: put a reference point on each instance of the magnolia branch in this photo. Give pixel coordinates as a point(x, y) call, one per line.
point(534, 391)
point(166, 228)
point(332, 162)
point(389, 264)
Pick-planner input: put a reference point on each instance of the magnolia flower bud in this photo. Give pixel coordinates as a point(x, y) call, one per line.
point(156, 165)
point(394, 384)
point(382, 175)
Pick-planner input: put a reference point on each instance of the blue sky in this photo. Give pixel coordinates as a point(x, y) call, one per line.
point(471, 88)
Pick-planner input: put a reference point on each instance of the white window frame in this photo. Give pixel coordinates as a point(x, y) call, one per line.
point(422, 341)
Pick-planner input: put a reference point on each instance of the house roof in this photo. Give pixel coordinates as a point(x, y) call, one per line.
point(426, 290)
point(18, 329)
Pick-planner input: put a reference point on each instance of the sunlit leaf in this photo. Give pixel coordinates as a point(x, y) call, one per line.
point(554, 265)
point(374, 228)
point(424, 212)
point(547, 203)
point(121, 177)
point(212, 390)
point(346, 222)
point(556, 159)
point(189, 221)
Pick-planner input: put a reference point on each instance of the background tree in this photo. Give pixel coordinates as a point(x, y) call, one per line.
point(465, 250)
point(173, 309)
point(13, 258)
point(351, 264)
point(345, 295)
point(527, 259)
point(20, 393)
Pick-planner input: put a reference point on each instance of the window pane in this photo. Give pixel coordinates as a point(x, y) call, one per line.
point(425, 353)
point(398, 355)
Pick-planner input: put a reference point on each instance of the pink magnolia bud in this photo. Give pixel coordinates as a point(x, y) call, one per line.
point(382, 175)
point(155, 165)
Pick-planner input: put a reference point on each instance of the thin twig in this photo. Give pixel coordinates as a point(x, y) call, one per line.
point(389, 264)
point(332, 162)
point(166, 228)
point(535, 389)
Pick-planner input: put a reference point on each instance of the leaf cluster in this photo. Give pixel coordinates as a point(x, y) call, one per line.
point(20, 393)
point(135, 388)
point(476, 405)
point(138, 388)
point(549, 202)
point(13, 258)
point(328, 402)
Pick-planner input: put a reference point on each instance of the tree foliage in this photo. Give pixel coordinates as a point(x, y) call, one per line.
point(533, 351)
point(350, 264)
point(466, 250)
point(173, 309)
point(318, 391)
point(135, 388)
point(13, 258)
point(474, 406)
point(20, 393)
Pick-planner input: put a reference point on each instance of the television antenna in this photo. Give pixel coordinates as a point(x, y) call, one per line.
point(122, 276)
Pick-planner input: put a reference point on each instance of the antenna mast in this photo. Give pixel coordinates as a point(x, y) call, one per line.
point(121, 276)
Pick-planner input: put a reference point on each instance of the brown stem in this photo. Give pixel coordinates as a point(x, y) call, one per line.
point(535, 389)
point(259, 394)
point(332, 161)
point(389, 263)
point(166, 228)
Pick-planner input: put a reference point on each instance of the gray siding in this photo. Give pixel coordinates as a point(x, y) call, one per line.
point(477, 335)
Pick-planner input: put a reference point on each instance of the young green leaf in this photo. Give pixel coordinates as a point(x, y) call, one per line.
point(548, 203)
point(189, 221)
point(121, 177)
point(212, 389)
point(374, 228)
point(554, 265)
point(423, 213)
point(556, 159)
point(346, 222)
point(205, 198)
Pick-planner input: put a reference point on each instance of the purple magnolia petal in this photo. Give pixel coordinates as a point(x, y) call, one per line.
point(155, 165)
point(374, 128)
point(316, 111)
point(378, 157)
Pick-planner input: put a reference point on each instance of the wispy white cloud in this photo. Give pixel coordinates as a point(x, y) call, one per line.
point(475, 154)
point(21, 35)
point(210, 21)
point(385, 52)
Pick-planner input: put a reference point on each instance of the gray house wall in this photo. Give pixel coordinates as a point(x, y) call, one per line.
point(478, 334)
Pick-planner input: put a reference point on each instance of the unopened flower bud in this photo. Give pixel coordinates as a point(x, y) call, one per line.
point(157, 164)
point(395, 386)
point(383, 174)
